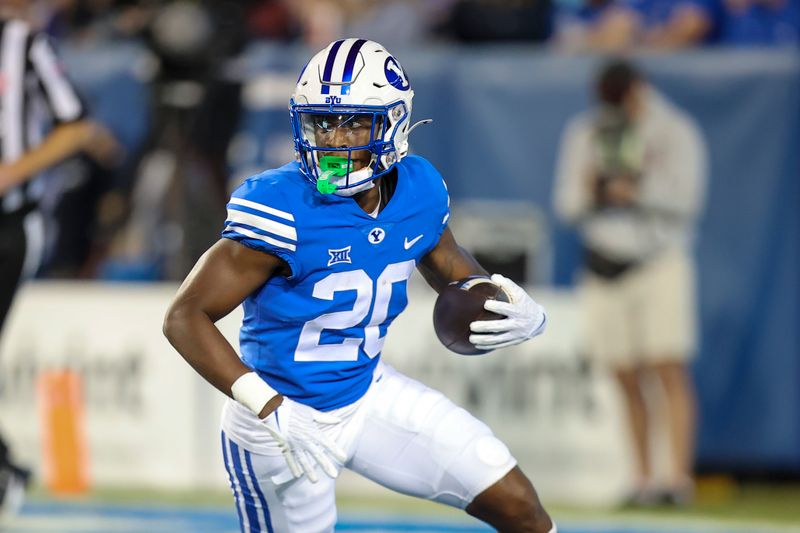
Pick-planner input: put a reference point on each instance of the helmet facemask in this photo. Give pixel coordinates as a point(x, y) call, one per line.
point(344, 148)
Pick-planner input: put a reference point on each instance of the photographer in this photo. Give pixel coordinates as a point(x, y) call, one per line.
point(631, 177)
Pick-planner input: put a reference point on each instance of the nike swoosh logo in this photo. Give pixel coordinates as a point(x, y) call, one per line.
point(408, 244)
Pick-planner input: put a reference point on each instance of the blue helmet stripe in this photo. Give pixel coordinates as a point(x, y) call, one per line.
point(326, 75)
point(350, 63)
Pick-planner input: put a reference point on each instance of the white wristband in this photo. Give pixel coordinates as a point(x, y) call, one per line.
point(252, 392)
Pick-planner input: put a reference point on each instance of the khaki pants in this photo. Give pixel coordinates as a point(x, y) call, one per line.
point(645, 316)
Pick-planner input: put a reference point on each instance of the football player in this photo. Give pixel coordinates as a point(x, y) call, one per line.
point(319, 252)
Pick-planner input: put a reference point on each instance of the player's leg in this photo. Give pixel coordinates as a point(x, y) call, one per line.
point(512, 505)
point(415, 441)
point(267, 498)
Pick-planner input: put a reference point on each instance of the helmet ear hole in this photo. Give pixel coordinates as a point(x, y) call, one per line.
point(397, 112)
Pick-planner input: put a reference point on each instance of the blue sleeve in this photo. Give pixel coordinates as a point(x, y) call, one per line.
point(444, 209)
point(437, 197)
point(259, 218)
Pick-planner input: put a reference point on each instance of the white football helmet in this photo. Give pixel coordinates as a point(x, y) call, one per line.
point(350, 114)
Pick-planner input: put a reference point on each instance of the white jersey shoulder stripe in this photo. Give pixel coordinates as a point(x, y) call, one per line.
point(269, 240)
point(65, 103)
point(12, 64)
point(264, 224)
point(263, 208)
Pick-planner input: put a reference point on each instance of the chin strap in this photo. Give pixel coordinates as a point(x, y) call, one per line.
point(420, 123)
point(358, 175)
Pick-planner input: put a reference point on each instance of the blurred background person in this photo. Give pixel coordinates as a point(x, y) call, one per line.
point(476, 21)
point(626, 24)
point(195, 106)
point(395, 22)
point(761, 23)
point(576, 24)
point(34, 91)
point(631, 175)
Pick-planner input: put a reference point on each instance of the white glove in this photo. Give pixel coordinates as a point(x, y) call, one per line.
point(524, 319)
point(298, 430)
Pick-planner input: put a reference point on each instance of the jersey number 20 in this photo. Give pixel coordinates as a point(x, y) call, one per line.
point(308, 346)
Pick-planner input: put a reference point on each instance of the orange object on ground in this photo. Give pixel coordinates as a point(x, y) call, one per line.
point(63, 432)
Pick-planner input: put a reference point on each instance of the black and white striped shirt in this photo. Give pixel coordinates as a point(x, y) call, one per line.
point(32, 83)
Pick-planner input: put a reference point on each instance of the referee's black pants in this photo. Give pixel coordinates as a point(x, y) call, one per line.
point(21, 240)
point(13, 245)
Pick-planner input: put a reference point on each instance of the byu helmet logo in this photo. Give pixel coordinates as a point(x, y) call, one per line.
point(395, 74)
point(376, 235)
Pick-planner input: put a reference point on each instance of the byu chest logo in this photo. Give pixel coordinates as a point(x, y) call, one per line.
point(342, 255)
point(376, 235)
point(395, 74)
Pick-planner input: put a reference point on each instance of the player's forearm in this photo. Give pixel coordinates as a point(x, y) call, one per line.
point(193, 334)
point(455, 267)
point(448, 262)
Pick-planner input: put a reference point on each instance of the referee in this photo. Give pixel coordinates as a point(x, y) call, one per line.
point(34, 94)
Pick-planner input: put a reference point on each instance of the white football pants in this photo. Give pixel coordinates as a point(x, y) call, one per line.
point(401, 434)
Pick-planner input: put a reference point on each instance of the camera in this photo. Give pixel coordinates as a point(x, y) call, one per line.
point(618, 152)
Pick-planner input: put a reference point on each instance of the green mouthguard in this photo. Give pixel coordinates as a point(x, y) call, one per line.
point(324, 186)
point(332, 165)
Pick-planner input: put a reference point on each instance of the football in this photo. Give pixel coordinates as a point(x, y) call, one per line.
point(461, 303)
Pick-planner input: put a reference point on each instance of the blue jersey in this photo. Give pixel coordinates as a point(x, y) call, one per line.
point(316, 336)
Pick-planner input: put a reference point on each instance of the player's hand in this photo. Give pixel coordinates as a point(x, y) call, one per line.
point(524, 319)
point(298, 430)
